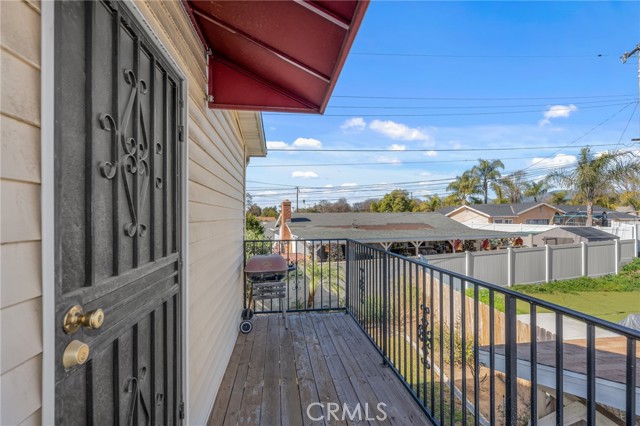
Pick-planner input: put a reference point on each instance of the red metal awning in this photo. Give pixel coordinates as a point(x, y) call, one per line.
point(275, 55)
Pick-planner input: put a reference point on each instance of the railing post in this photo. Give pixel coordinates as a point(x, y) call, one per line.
point(385, 306)
point(584, 270)
point(511, 359)
point(547, 263)
point(347, 284)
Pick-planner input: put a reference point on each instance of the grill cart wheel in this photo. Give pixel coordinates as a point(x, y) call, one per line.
point(247, 314)
point(246, 327)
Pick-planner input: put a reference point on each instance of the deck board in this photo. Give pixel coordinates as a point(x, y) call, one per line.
point(275, 374)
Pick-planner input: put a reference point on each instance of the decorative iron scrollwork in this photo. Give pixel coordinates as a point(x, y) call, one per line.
point(133, 163)
point(424, 334)
point(132, 386)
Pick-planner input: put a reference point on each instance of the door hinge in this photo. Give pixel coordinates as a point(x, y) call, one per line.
point(181, 411)
point(181, 133)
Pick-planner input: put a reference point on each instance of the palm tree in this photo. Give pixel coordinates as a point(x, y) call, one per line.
point(558, 197)
point(499, 190)
point(465, 187)
point(536, 189)
point(319, 275)
point(488, 172)
point(595, 176)
point(513, 186)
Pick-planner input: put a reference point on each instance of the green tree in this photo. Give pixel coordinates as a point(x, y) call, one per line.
point(488, 171)
point(397, 200)
point(255, 210)
point(595, 176)
point(536, 189)
point(558, 197)
point(270, 211)
point(253, 227)
point(465, 187)
point(431, 204)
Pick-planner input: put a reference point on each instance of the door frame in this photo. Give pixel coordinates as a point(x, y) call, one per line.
point(47, 205)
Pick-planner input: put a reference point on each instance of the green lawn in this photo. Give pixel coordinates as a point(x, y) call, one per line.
point(611, 297)
point(608, 305)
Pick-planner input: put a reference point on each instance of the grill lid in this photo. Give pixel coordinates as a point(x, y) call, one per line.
point(266, 263)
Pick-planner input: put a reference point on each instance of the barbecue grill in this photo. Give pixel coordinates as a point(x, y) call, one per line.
point(265, 273)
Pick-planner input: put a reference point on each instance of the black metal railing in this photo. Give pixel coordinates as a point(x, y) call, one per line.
point(471, 352)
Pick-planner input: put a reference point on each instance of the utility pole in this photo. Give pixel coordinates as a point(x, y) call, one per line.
point(297, 198)
point(625, 56)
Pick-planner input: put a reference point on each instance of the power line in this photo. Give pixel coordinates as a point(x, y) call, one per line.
point(512, 148)
point(415, 185)
point(438, 55)
point(481, 99)
point(449, 114)
point(580, 137)
point(627, 125)
point(628, 98)
point(457, 114)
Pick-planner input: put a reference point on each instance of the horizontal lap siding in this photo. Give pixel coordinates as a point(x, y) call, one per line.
point(216, 205)
point(20, 233)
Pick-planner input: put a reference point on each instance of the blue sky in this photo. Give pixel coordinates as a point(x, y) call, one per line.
point(444, 77)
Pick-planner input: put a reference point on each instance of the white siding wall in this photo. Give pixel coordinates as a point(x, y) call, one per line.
point(216, 206)
point(20, 282)
point(216, 197)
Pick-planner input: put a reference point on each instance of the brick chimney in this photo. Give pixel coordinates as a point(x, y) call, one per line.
point(285, 211)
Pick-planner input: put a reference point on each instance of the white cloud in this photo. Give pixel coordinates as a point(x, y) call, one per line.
point(397, 147)
point(328, 186)
point(431, 154)
point(349, 184)
point(388, 160)
point(355, 123)
point(304, 174)
point(277, 145)
point(307, 143)
point(298, 143)
point(557, 161)
point(398, 131)
point(557, 111)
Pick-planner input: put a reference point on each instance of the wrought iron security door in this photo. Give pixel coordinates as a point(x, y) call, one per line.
point(118, 179)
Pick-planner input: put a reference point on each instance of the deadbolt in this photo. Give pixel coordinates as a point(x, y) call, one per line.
point(76, 353)
point(75, 318)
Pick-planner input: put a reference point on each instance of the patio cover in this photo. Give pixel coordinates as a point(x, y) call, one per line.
point(275, 55)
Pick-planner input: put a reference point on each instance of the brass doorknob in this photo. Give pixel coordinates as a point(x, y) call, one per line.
point(76, 318)
point(76, 353)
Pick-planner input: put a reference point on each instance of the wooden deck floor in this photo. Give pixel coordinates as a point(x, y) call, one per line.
point(275, 374)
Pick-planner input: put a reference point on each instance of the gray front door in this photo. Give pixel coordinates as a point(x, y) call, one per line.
point(118, 180)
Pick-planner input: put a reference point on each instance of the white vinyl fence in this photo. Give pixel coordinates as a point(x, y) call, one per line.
point(539, 264)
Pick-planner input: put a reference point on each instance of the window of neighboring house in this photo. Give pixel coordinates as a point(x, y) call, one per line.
point(537, 221)
point(502, 220)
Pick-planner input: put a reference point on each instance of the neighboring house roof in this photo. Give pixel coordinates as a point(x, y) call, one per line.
point(611, 214)
point(587, 232)
point(496, 210)
point(385, 227)
point(516, 209)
